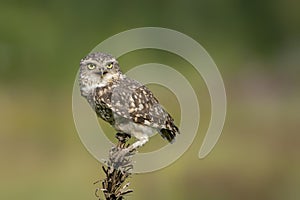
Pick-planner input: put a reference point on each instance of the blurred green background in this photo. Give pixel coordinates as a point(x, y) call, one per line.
point(256, 45)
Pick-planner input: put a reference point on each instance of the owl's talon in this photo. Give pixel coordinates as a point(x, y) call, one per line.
point(123, 137)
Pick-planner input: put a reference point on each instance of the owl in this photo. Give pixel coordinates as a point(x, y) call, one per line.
point(126, 104)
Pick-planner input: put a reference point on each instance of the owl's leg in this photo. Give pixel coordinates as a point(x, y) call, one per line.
point(141, 141)
point(127, 151)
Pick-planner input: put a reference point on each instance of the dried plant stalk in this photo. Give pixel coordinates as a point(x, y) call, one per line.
point(118, 169)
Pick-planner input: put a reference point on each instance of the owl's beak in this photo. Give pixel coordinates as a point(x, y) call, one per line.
point(101, 72)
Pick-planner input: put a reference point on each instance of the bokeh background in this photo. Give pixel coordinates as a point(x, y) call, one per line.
point(256, 45)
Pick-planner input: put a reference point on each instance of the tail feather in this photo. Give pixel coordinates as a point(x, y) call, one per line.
point(169, 134)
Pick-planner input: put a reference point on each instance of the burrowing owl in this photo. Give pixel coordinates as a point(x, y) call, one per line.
point(126, 104)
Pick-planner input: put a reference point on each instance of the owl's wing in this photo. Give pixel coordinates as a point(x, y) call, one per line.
point(132, 100)
point(145, 109)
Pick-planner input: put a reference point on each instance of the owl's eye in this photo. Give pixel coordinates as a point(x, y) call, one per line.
point(109, 65)
point(91, 66)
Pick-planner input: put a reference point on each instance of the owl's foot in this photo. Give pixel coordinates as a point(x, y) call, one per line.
point(120, 153)
point(123, 137)
point(123, 151)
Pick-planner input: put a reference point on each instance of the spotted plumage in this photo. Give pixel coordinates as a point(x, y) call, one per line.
point(126, 104)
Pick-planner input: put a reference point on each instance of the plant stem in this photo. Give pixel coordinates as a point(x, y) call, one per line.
point(118, 169)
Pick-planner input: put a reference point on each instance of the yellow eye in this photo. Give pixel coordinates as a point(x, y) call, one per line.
point(91, 66)
point(109, 66)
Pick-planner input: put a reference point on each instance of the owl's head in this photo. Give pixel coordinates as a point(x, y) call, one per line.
point(97, 70)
